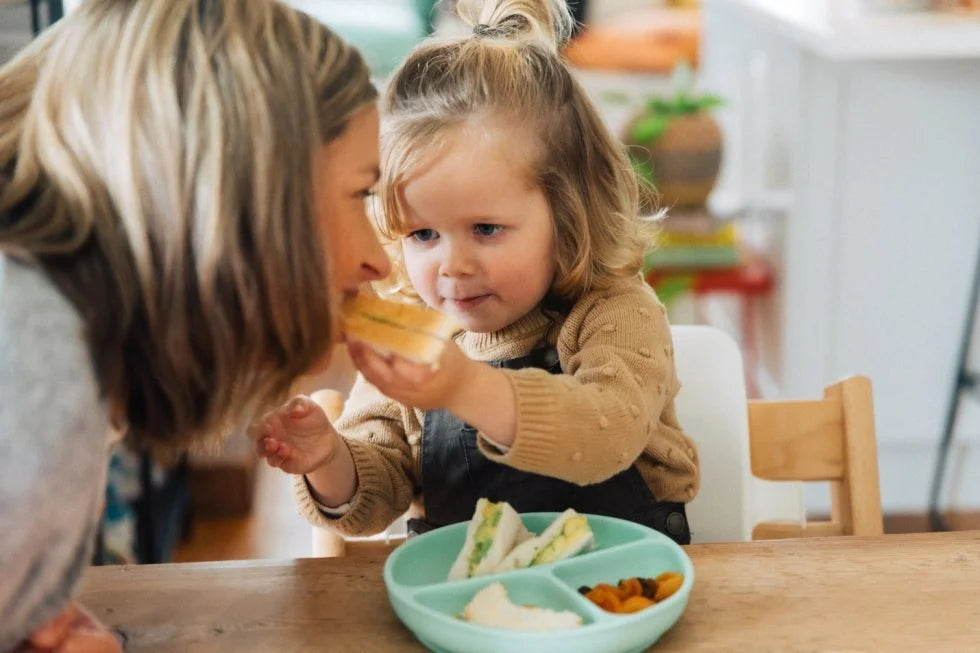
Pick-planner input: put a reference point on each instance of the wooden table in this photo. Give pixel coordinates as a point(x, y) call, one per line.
point(889, 593)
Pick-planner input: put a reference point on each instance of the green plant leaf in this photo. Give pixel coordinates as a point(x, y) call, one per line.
point(687, 105)
point(660, 106)
point(674, 286)
point(649, 128)
point(708, 102)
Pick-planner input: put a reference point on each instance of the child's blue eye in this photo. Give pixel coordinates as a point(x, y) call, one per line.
point(485, 229)
point(423, 235)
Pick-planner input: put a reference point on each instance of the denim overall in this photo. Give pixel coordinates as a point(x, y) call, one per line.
point(455, 474)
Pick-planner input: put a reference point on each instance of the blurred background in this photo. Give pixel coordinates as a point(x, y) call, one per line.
point(819, 161)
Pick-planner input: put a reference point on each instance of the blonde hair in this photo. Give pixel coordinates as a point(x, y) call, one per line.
point(156, 160)
point(510, 67)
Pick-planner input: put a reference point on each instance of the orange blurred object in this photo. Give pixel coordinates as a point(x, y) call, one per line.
point(646, 40)
point(634, 594)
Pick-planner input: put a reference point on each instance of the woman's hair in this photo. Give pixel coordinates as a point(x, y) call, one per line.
point(510, 69)
point(156, 160)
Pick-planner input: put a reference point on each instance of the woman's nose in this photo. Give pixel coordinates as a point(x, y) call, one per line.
point(374, 262)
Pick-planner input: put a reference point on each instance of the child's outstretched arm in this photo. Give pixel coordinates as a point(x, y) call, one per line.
point(355, 480)
point(299, 439)
point(613, 402)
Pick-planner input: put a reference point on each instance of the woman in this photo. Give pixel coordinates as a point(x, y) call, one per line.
point(182, 193)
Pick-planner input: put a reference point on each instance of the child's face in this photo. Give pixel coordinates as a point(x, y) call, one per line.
point(480, 236)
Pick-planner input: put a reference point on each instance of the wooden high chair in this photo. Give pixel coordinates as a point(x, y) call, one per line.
point(832, 439)
point(744, 443)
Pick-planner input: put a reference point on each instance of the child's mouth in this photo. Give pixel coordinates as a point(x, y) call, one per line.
point(469, 303)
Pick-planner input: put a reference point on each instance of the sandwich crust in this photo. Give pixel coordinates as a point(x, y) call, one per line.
point(413, 332)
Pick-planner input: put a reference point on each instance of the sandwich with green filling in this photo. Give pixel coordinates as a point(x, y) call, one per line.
point(413, 332)
point(492, 533)
point(565, 537)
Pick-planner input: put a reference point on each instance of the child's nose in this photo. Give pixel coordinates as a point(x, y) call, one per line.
point(456, 263)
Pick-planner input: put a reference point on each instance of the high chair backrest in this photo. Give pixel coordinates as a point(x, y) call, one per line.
point(711, 409)
point(755, 454)
point(832, 439)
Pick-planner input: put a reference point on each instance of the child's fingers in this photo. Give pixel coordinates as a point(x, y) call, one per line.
point(276, 460)
point(374, 368)
point(275, 452)
point(298, 407)
point(303, 416)
point(271, 449)
point(409, 371)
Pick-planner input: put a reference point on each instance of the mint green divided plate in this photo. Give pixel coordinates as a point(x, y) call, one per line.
point(415, 575)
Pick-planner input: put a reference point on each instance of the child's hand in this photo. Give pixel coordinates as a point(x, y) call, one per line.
point(297, 437)
point(414, 384)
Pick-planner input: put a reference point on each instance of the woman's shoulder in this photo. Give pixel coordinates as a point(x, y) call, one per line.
point(28, 297)
point(44, 354)
point(53, 429)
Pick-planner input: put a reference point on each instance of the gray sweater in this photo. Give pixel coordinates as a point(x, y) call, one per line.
point(53, 435)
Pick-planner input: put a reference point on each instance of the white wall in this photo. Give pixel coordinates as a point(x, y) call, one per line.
point(880, 237)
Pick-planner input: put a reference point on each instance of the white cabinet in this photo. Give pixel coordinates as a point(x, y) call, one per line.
point(864, 130)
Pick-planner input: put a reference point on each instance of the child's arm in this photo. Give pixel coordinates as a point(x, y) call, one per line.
point(614, 402)
point(299, 439)
point(582, 426)
point(373, 450)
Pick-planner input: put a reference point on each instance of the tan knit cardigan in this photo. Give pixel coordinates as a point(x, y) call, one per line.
point(612, 406)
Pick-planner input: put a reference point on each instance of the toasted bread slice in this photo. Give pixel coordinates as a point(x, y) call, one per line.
point(413, 332)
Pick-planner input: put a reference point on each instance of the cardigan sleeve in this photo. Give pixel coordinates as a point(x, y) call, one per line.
point(373, 428)
point(596, 418)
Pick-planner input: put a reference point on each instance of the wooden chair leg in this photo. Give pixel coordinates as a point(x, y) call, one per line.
point(327, 544)
point(858, 498)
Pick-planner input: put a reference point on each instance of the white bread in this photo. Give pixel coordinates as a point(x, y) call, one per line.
point(413, 332)
point(492, 607)
point(524, 554)
point(508, 532)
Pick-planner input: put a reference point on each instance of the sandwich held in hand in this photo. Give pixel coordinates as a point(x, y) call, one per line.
point(496, 541)
point(492, 607)
point(413, 332)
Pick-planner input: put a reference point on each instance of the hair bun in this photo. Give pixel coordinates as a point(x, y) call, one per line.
point(548, 22)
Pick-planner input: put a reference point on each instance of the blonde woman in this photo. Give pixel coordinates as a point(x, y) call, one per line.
point(515, 212)
point(182, 191)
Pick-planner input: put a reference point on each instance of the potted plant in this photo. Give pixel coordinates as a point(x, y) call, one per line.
point(675, 143)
